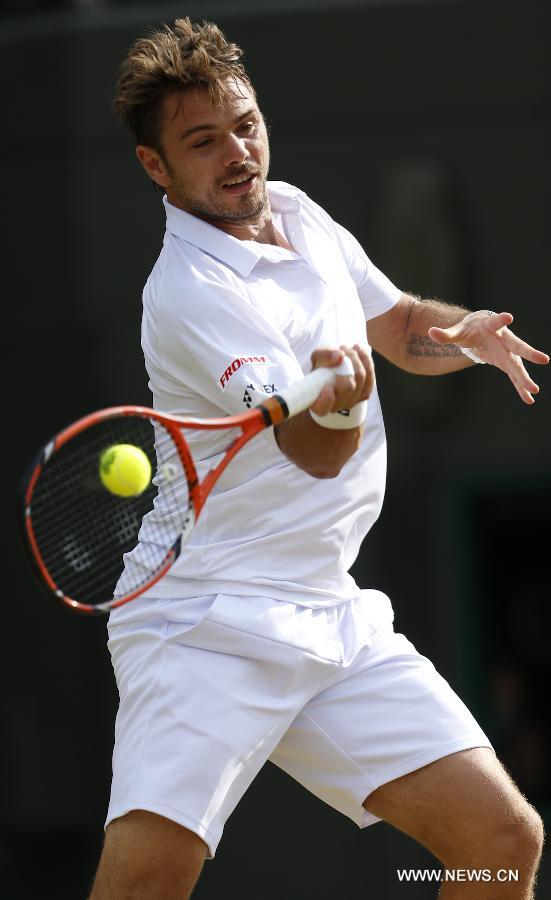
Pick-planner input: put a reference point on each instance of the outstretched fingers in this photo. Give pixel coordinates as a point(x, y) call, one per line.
point(516, 345)
point(444, 335)
point(470, 330)
point(520, 378)
point(489, 336)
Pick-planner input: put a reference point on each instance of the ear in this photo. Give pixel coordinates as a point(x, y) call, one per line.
point(153, 165)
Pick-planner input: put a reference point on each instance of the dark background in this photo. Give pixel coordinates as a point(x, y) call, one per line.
point(425, 129)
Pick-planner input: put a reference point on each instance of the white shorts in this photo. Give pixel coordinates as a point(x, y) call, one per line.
point(332, 696)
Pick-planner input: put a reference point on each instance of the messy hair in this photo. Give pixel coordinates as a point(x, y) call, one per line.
point(169, 60)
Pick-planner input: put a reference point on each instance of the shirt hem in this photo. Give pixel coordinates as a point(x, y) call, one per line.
point(298, 594)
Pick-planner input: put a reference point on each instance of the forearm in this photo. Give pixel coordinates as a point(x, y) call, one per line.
point(402, 336)
point(322, 452)
point(423, 355)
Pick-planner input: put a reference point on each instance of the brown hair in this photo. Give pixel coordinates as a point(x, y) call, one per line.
point(172, 59)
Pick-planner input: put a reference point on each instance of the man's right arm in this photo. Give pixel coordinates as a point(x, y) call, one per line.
point(212, 342)
point(321, 451)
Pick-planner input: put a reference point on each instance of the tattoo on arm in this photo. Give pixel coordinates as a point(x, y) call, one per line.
point(422, 345)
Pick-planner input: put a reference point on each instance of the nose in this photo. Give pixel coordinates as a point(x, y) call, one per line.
point(235, 151)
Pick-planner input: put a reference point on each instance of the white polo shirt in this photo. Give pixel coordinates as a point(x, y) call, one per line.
point(225, 323)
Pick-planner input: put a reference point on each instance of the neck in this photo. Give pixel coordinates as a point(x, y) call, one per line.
point(258, 228)
point(263, 231)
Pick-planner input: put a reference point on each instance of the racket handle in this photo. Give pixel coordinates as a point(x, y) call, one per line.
point(301, 395)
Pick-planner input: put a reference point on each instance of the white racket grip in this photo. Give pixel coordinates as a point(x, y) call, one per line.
point(302, 394)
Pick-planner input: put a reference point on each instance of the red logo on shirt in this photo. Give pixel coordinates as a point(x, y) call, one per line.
point(241, 361)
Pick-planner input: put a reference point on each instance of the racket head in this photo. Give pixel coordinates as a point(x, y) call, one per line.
point(95, 550)
point(81, 536)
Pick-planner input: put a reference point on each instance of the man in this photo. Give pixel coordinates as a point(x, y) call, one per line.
point(258, 644)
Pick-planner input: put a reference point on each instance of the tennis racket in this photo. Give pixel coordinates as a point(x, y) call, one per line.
point(80, 536)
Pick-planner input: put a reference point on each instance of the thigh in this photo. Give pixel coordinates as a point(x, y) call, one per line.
point(453, 805)
point(200, 712)
point(387, 713)
point(148, 855)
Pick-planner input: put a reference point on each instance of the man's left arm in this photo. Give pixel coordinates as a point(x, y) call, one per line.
point(425, 337)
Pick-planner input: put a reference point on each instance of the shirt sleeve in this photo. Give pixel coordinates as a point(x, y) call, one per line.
point(214, 343)
point(375, 290)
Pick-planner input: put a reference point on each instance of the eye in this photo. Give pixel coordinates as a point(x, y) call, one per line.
point(202, 143)
point(247, 126)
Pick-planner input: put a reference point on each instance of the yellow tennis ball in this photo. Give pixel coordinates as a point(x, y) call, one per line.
point(125, 470)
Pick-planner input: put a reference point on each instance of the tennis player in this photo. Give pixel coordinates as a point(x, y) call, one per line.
point(258, 644)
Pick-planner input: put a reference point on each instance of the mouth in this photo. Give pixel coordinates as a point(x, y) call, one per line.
point(241, 184)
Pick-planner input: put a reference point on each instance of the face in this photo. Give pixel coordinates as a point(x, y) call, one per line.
point(215, 160)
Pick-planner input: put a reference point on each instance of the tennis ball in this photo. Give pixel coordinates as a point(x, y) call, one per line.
point(125, 470)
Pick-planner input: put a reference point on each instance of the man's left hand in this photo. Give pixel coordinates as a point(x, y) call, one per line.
point(489, 337)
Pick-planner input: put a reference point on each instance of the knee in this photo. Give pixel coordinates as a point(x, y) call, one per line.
point(520, 834)
point(531, 834)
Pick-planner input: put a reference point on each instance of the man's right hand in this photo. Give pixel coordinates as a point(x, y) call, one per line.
point(348, 390)
point(320, 451)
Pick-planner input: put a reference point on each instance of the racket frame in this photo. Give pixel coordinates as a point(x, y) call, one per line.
point(275, 409)
point(271, 412)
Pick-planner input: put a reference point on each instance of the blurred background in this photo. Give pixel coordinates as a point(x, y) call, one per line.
point(424, 128)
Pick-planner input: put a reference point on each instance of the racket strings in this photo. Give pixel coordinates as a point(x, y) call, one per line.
point(96, 544)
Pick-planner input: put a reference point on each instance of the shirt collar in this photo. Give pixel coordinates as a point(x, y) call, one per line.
point(239, 255)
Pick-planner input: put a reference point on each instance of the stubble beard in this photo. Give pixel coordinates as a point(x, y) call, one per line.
point(251, 210)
